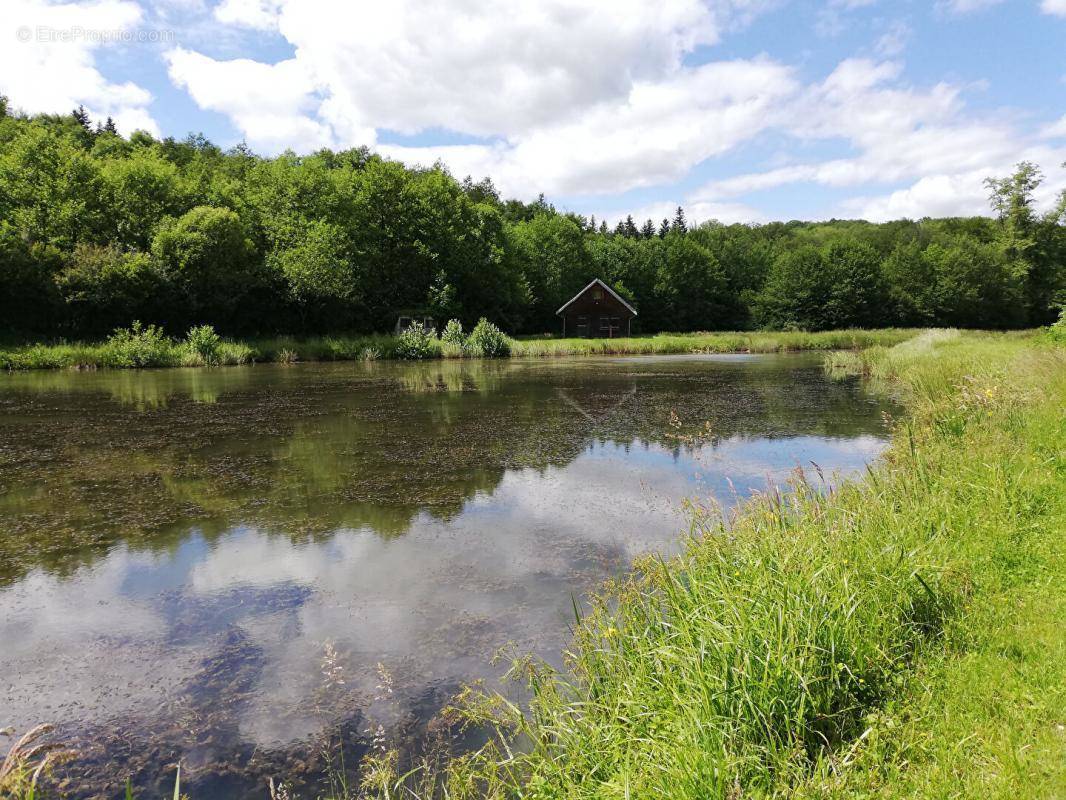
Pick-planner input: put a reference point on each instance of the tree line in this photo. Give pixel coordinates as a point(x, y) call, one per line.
point(98, 230)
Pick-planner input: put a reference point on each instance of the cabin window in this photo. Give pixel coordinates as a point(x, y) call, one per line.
point(610, 327)
point(597, 294)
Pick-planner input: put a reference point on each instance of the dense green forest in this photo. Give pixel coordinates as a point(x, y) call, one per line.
point(97, 231)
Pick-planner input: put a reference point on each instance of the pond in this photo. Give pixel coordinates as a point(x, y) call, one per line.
point(256, 569)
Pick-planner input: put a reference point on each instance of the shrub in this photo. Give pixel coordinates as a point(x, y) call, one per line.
point(453, 333)
point(139, 346)
point(417, 342)
point(204, 342)
point(488, 341)
point(1057, 332)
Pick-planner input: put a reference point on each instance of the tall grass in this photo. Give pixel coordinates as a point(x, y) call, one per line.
point(770, 655)
point(719, 342)
point(28, 760)
point(149, 348)
point(134, 347)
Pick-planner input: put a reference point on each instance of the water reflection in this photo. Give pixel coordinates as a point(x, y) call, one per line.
point(192, 558)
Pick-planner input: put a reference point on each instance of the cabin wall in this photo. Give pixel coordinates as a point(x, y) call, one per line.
point(591, 318)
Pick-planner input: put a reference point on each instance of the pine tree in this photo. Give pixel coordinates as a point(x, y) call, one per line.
point(631, 230)
point(81, 116)
point(542, 206)
point(648, 231)
point(110, 127)
point(620, 228)
point(592, 224)
point(664, 228)
point(603, 227)
point(679, 221)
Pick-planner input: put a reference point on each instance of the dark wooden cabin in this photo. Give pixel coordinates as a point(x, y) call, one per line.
point(597, 312)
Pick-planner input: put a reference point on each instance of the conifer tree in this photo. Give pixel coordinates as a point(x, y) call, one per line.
point(679, 221)
point(664, 228)
point(81, 116)
point(631, 230)
point(648, 231)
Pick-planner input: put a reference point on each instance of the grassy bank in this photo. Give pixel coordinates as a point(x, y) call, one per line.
point(161, 351)
point(900, 636)
point(722, 342)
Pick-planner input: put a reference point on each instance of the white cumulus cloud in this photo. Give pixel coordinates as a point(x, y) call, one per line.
point(276, 103)
point(47, 59)
point(259, 14)
point(652, 136)
point(898, 134)
point(559, 96)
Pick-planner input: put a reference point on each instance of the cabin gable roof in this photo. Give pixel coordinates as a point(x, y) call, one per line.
point(594, 282)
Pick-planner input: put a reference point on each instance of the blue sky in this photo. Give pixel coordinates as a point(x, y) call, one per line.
point(742, 110)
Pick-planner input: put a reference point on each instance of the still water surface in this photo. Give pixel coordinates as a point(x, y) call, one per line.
point(233, 566)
